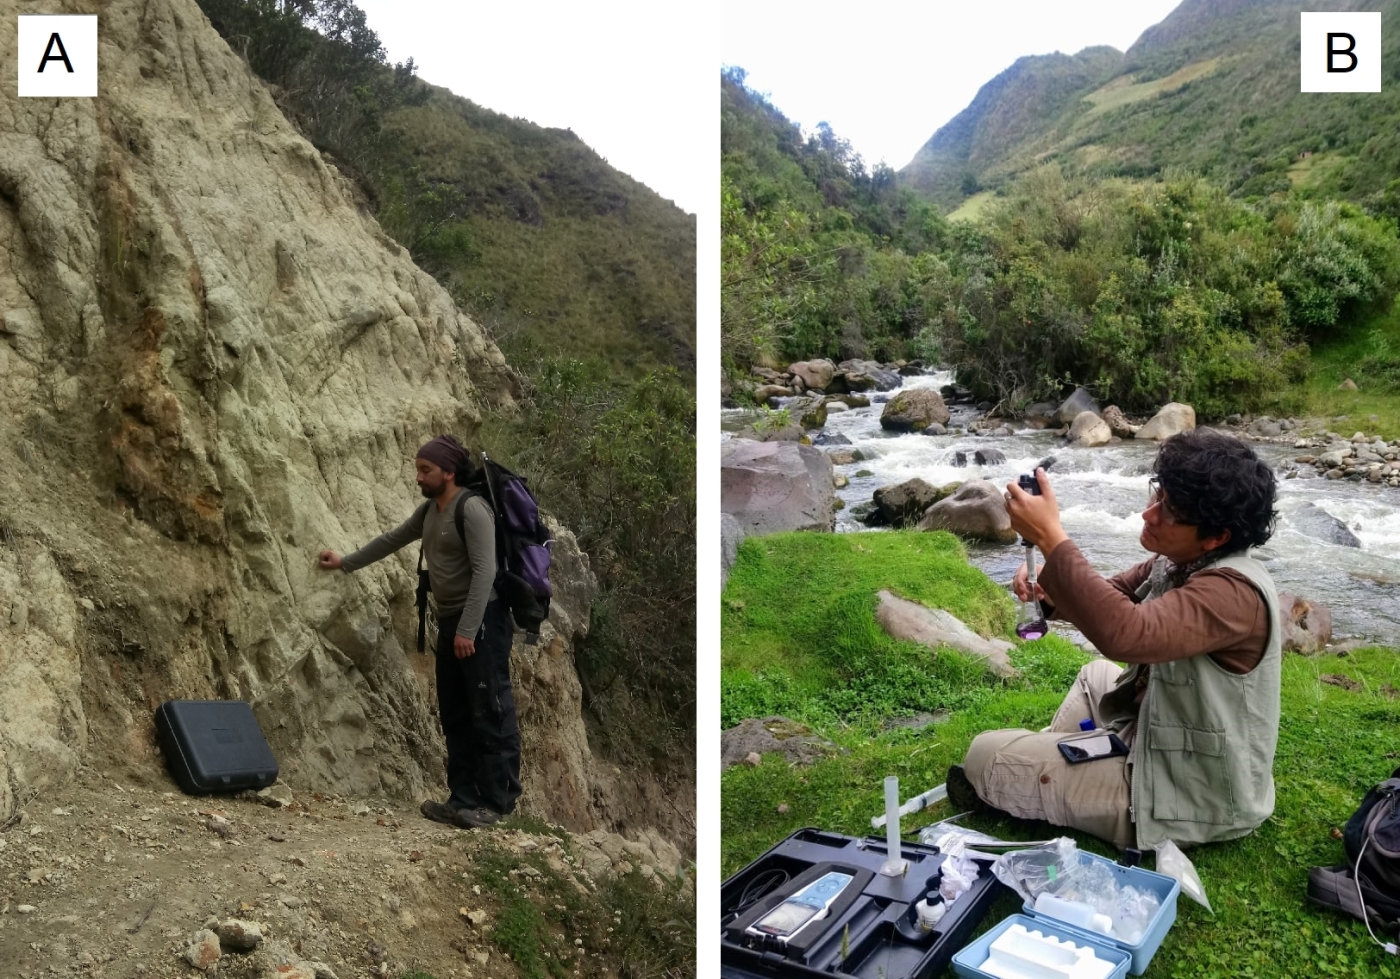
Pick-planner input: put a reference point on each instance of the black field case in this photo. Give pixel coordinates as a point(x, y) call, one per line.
point(864, 918)
point(214, 746)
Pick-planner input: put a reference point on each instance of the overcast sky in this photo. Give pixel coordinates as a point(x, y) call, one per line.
point(634, 80)
point(886, 76)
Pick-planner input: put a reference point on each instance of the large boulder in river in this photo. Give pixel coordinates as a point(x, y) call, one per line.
point(1117, 424)
point(1312, 521)
point(1078, 402)
point(770, 487)
point(977, 510)
point(935, 627)
point(862, 375)
point(1088, 430)
point(808, 412)
point(816, 374)
point(910, 411)
point(762, 395)
point(1306, 626)
point(905, 503)
point(1173, 419)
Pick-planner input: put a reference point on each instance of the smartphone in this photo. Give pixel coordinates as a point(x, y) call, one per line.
point(791, 916)
point(1091, 747)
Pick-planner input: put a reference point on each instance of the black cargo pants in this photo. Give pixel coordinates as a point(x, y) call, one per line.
point(478, 714)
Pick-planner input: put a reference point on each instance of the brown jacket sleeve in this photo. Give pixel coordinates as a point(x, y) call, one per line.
point(1216, 612)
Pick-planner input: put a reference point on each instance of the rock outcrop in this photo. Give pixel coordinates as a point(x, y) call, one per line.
point(214, 363)
point(771, 487)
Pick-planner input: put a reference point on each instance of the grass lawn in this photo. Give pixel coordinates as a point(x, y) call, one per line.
point(798, 640)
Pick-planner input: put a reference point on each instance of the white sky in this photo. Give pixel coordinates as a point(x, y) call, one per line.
point(887, 76)
point(634, 80)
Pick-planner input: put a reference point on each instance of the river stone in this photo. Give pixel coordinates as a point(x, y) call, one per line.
point(1088, 430)
point(1306, 626)
point(1172, 419)
point(814, 373)
point(770, 487)
point(772, 735)
point(836, 407)
point(1117, 424)
point(880, 377)
point(845, 457)
point(989, 457)
point(731, 535)
point(849, 400)
point(935, 627)
point(762, 395)
point(1347, 385)
point(1313, 521)
point(913, 410)
point(203, 950)
point(239, 935)
point(1076, 404)
point(809, 412)
point(976, 510)
point(904, 503)
point(1265, 427)
point(935, 428)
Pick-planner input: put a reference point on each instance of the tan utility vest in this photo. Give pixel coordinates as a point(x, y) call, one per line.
point(1203, 753)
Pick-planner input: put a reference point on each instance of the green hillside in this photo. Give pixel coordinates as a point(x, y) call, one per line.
point(1213, 88)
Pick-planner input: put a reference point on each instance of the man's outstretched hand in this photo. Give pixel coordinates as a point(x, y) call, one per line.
point(329, 561)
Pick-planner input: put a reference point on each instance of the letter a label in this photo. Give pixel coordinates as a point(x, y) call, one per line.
point(1340, 52)
point(58, 56)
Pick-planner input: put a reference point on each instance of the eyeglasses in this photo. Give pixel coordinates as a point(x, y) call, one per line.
point(1155, 497)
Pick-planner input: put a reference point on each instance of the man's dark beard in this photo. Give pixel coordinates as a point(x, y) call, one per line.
point(430, 494)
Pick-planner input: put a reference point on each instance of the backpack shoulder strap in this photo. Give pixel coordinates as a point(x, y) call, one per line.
point(457, 510)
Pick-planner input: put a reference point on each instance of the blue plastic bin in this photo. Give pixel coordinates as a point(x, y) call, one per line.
point(1166, 888)
point(968, 962)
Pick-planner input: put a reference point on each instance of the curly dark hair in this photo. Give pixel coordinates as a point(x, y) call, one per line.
point(1216, 482)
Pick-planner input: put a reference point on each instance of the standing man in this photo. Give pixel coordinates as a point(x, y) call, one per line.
point(474, 635)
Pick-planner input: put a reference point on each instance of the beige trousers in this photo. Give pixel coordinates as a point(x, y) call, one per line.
point(1023, 773)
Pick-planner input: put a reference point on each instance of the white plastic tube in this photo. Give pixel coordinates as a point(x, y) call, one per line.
point(894, 862)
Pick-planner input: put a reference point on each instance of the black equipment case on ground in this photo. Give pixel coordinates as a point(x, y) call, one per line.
point(874, 918)
point(214, 746)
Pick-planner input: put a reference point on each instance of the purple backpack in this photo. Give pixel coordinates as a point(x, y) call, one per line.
point(522, 544)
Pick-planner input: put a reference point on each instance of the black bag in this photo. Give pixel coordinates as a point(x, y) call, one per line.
point(214, 746)
point(1368, 886)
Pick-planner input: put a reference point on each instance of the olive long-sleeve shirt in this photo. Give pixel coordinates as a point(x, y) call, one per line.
point(462, 573)
point(1215, 612)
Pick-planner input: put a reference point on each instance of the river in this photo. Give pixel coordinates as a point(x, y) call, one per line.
point(1102, 492)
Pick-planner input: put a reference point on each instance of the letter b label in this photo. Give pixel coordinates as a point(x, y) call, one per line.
point(1341, 52)
point(58, 55)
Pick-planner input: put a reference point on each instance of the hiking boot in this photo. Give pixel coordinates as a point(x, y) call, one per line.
point(478, 818)
point(440, 812)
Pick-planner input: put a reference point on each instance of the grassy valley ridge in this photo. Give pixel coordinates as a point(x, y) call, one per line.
point(1165, 224)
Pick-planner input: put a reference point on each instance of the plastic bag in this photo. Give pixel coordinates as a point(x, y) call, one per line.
point(1172, 862)
point(1029, 872)
point(959, 873)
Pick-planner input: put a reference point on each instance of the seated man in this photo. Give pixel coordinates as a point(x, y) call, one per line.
point(1198, 706)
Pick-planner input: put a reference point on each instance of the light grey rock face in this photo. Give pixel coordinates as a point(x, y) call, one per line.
point(770, 487)
point(1075, 405)
point(935, 627)
point(976, 510)
point(731, 535)
point(912, 411)
point(1172, 419)
point(1088, 430)
point(213, 364)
